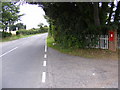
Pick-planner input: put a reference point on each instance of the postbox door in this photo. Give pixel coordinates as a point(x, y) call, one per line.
point(111, 36)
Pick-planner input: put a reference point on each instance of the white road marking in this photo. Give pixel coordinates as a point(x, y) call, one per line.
point(93, 74)
point(44, 63)
point(46, 45)
point(45, 55)
point(46, 42)
point(45, 48)
point(43, 77)
point(8, 51)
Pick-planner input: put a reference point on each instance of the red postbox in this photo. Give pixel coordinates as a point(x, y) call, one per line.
point(111, 36)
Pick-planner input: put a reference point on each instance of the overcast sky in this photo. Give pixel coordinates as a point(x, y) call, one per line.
point(33, 15)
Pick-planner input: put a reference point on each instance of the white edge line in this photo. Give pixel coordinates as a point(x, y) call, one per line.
point(44, 63)
point(43, 77)
point(8, 51)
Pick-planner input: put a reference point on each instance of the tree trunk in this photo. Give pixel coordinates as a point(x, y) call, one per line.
point(50, 28)
point(96, 14)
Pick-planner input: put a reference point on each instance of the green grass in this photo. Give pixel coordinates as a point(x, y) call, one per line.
point(86, 53)
point(14, 37)
point(50, 42)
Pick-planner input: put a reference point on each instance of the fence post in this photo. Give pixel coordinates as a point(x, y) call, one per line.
point(113, 40)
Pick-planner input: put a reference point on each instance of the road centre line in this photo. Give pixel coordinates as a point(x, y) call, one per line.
point(46, 42)
point(44, 63)
point(45, 48)
point(43, 77)
point(46, 45)
point(45, 55)
point(93, 74)
point(8, 51)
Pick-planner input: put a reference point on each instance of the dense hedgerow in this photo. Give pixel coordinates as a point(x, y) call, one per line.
point(31, 31)
point(5, 34)
point(24, 32)
point(79, 38)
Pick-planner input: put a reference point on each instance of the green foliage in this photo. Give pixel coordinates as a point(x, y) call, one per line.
point(40, 25)
point(12, 27)
point(72, 24)
point(86, 53)
point(31, 31)
point(9, 14)
point(20, 26)
point(5, 34)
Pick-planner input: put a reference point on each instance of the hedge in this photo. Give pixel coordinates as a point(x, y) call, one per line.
point(31, 31)
point(5, 34)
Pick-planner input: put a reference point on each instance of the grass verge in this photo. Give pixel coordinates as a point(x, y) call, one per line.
point(14, 37)
point(86, 53)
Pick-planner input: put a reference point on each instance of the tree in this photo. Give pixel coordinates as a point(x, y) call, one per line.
point(45, 26)
point(117, 17)
point(110, 12)
point(20, 26)
point(50, 24)
point(12, 27)
point(77, 24)
point(9, 14)
point(117, 14)
point(103, 12)
point(40, 25)
point(96, 14)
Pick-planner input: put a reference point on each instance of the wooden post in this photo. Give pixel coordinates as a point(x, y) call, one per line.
point(113, 40)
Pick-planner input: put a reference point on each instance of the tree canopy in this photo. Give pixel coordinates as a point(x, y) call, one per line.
point(10, 14)
point(20, 26)
point(78, 24)
point(71, 23)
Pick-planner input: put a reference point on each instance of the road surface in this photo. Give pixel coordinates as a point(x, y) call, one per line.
point(29, 63)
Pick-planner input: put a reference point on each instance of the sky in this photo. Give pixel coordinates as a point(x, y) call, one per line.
point(34, 15)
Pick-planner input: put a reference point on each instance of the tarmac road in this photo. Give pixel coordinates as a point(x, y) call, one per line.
point(77, 72)
point(22, 62)
point(29, 63)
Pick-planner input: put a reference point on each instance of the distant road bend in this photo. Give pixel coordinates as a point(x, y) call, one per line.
point(29, 63)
